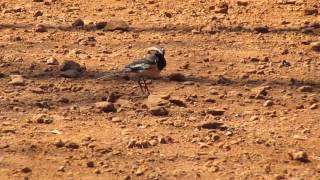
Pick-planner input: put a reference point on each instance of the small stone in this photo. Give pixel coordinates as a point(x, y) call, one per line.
point(242, 2)
point(159, 111)
point(177, 77)
point(178, 102)
point(38, 0)
point(311, 11)
point(116, 25)
point(43, 119)
point(67, 64)
point(70, 73)
point(215, 137)
point(101, 25)
point(37, 14)
point(167, 14)
point(261, 29)
point(40, 28)
point(139, 172)
point(26, 170)
point(188, 83)
point(78, 23)
point(305, 89)
point(90, 164)
point(195, 31)
point(116, 119)
point(254, 118)
point(211, 125)
point(299, 156)
point(59, 143)
point(222, 8)
point(315, 46)
point(105, 106)
point(72, 145)
point(215, 112)
point(314, 106)
point(61, 169)
point(97, 171)
point(268, 103)
point(299, 137)
point(52, 61)
point(17, 80)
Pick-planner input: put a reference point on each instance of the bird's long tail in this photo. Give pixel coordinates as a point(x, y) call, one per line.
point(113, 75)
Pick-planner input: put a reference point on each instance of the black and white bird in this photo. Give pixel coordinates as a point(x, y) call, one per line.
point(140, 69)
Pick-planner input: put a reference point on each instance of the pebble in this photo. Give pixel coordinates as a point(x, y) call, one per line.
point(17, 80)
point(314, 106)
point(305, 89)
point(311, 11)
point(268, 103)
point(40, 28)
point(178, 102)
point(242, 2)
point(26, 170)
point(254, 118)
point(71, 73)
point(101, 25)
point(116, 119)
point(68, 64)
point(105, 106)
point(78, 23)
point(72, 145)
point(43, 119)
point(222, 8)
point(37, 14)
point(61, 168)
point(315, 46)
point(177, 77)
point(215, 112)
point(299, 156)
point(211, 125)
point(52, 61)
point(261, 29)
point(90, 164)
point(158, 111)
point(59, 143)
point(188, 83)
point(117, 25)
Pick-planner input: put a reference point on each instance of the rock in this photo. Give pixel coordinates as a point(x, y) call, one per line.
point(178, 102)
point(90, 164)
point(299, 156)
point(71, 73)
point(177, 77)
point(315, 46)
point(78, 23)
point(305, 89)
point(59, 143)
point(17, 80)
point(211, 125)
point(208, 29)
point(40, 28)
point(116, 119)
point(222, 8)
point(37, 14)
point(215, 112)
point(156, 100)
point(261, 29)
point(43, 119)
point(167, 14)
point(101, 25)
point(188, 83)
point(67, 64)
point(268, 103)
point(52, 61)
point(38, 0)
point(61, 168)
point(26, 170)
point(105, 106)
point(242, 3)
point(113, 97)
point(117, 25)
point(314, 106)
point(72, 145)
point(158, 111)
point(2, 75)
point(254, 118)
point(165, 140)
point(311, 11)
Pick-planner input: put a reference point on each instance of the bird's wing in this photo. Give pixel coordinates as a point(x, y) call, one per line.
point(141, 64)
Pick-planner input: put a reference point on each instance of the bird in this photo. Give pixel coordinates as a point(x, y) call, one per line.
point(140, 69)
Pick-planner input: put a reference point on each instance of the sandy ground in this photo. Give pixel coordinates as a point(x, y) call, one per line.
point(247, 108)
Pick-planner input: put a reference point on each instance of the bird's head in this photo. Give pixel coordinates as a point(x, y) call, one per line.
point(156, 50)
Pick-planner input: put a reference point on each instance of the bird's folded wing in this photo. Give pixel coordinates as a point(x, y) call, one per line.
point(141, 64)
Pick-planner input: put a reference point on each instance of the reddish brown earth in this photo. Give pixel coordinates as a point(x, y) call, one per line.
point(256, 88)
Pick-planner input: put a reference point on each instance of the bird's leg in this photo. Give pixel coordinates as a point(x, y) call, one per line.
point(145, 86)
point(139, 82)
